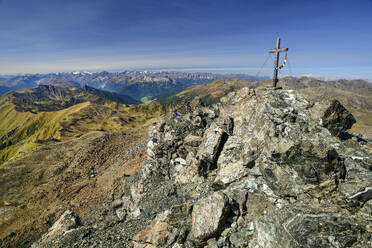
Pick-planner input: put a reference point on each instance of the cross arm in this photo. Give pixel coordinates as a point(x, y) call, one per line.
point(278, 50)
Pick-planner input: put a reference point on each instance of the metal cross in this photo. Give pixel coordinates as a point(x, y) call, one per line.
point(277, 50)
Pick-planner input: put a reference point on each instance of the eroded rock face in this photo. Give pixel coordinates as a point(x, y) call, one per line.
point(266, 168)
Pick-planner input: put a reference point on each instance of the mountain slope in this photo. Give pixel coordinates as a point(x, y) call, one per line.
point(82, 172)
point(356, 95)
point(207, 93)
point(45, 98)
point(4, 90)
point(348, 90)
point(259, 169)
point(47, 114)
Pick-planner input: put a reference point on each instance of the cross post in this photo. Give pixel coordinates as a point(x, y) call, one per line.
point(277, 50)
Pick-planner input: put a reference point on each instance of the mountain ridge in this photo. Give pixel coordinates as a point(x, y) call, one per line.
point(51, 98)
point(47, 114)
point(355, 95)
point(137, 84)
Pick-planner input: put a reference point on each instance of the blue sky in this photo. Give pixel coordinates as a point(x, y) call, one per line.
point(329, 37)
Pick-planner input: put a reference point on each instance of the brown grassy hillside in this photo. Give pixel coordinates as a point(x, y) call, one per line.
point(25, 125)
point(83, 174)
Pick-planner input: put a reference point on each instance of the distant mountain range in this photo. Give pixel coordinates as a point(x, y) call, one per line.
point(136, 84)
point(46, 98)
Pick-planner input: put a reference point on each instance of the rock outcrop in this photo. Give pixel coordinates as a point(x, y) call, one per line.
point(288, 178)
point(264, 168)
point(67, 222)
point(205, 226)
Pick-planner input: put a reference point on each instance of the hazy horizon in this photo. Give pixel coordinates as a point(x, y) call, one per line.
point(196, 70)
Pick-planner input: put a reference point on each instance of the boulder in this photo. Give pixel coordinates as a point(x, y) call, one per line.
point(230, 163)
point(333, 116)
point(154, 235)
point(65, 223)
point(213, 141)
point(208, 216)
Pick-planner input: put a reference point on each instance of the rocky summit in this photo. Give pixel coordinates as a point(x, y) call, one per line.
point(263, 168)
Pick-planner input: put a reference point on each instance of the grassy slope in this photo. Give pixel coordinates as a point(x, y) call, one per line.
point(46, 158)
point(21, 132)
point(45, 98)
point(39, 187)
point(364, 123)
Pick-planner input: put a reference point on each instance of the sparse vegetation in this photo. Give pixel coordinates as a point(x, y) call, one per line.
point(24, 126)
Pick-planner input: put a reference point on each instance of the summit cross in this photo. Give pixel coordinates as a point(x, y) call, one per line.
point(277, 50)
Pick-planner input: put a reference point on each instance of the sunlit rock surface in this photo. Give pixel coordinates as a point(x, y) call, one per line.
point(264, 168)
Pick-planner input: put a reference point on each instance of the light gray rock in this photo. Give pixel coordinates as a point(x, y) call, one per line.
point(211, 143)
point(64, 224)
point(121, 213)
point(230, 164)
point(208, 216)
